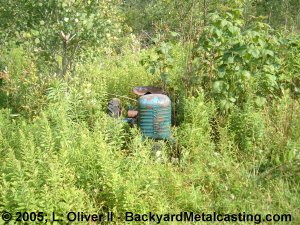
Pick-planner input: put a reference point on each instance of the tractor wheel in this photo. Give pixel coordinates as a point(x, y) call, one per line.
point(114, 108)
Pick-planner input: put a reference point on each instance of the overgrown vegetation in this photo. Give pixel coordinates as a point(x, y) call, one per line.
point(231, 69)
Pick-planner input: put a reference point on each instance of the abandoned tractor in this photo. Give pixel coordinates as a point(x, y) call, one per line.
point(153, 115)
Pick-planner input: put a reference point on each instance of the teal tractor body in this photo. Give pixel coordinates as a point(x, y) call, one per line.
point(153, 115)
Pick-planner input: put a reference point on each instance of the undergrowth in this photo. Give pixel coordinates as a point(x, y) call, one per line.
point(61, 152)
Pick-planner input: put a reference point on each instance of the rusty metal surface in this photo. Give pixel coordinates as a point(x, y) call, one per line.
point(132, 113)
point(155, 116)
point(142, 90)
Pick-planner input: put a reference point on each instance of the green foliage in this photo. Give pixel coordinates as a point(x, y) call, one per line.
point(195, 130)
point(282, 14)
point(33, 176)
point(61, 152)
point(160, 62)
point(60, 31)
point(239, 60)
point(183, 17)
point(289, 74)
point(22, 89)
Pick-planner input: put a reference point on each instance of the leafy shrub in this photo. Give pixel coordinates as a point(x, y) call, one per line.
point(249, 129)
point(60, 151)
point(60, 32)
point(23, 89)
point(238, 59)
point(33, 177)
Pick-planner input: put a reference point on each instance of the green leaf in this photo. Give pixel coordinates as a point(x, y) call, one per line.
point(37, 41)
point(217, 87)
point(164, 76)
point(230, 60)
point(218, 32)
point(35, 33)
point(260, 101)
point(223, 23)
point(268, 52)
point(233, 30)
point(225, 105)
point(222, 68)
point(261, 42)
point(254, 52)
point(232, 99)
point(246, 75)
point(174, 34)
point(151, 70)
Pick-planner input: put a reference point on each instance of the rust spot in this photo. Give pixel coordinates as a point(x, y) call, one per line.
point(165, 103)
point(160, 119)
point(132, 113)
point(142, 90)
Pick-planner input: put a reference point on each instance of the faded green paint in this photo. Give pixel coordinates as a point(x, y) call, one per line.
point(154, 116)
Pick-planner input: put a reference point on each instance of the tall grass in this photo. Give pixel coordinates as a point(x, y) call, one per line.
point(70, 156)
